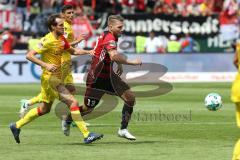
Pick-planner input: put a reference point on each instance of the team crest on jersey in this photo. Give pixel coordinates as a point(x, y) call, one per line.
point(112, 43)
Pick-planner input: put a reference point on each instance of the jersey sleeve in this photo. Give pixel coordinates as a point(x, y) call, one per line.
point(68, 34)
point(41, 46)
point(66, 43)
point(110, 42)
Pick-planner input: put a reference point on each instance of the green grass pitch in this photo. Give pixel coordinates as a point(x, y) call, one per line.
point(175, 126)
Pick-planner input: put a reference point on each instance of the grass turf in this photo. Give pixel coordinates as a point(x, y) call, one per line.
point(175, 126)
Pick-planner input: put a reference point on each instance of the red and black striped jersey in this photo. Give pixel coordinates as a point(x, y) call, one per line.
point(101, 65)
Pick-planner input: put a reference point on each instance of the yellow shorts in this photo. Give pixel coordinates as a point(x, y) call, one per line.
point(235, 92)
point(68, 79)
point(48, 88)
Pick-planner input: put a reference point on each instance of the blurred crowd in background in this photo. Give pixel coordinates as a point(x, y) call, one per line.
point(22, 22)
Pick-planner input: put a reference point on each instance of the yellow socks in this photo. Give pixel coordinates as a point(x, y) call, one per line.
point(238, 114)
point(35, 100)
point(236, 151)
point(77, 118)
point(30, 116)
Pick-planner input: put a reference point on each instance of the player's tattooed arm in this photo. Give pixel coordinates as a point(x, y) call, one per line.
point(121, 59)
point(83, 51)
point(77, 40)
point(77, 51)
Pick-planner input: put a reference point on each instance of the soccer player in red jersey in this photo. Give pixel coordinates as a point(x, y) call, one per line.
point(102, 79)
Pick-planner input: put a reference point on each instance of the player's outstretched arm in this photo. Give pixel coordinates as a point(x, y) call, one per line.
point(78, 40)
point(77, 51)
point(120, 59)
point(83, 51)
point(31, 56)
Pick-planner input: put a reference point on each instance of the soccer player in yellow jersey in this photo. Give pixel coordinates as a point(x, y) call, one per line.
point(51, 48)
point(235, 96)
point(68, 15)
point(66, 64)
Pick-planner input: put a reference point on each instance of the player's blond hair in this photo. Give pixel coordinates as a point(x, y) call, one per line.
point(113, 18)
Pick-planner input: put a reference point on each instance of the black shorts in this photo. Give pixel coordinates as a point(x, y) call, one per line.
point(96, 88)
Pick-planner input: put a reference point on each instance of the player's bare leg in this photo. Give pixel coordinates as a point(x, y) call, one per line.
point(72, 103)
point(129, 99)
point(27, 103)
point(34, 113)
point(67, 119)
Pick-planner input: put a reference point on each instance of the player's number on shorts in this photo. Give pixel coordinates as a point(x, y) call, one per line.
point(91, 103)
